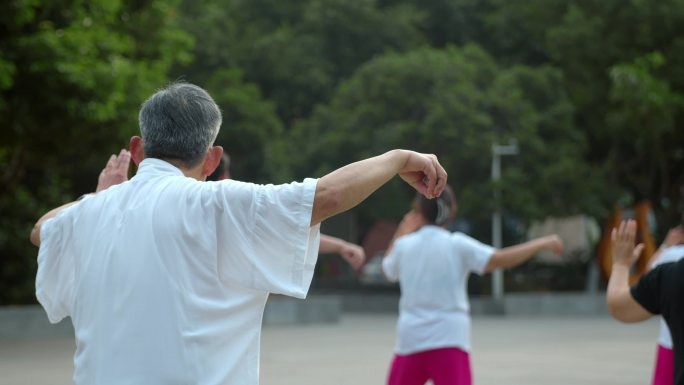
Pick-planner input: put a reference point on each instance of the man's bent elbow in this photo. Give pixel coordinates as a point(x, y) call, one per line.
point(614, 309)
point(496, 261)
point(327, 202)
point(625, 311)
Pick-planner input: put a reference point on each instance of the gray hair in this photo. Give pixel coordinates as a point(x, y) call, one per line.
point(179, 122)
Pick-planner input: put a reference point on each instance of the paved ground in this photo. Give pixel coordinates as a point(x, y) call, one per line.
point(506, 351)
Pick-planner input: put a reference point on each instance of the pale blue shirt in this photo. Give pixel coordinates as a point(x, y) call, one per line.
point(432, 266)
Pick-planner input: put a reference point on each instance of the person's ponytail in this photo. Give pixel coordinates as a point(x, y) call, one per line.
point(438, 210)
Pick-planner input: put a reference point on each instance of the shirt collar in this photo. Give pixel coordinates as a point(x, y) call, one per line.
point(431, 227)
point(153, 167)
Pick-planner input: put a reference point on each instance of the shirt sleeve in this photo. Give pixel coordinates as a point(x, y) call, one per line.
point(670, 254)
point(647, 292)
point(390, 263)
point(270, 246)
point(55, 276)
point(475, 254)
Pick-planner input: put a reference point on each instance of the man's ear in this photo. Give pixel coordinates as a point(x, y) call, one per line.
point(212, 160)
point(136, 148)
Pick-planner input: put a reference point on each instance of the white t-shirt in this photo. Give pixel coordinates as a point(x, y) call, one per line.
point(165, 278)
point(671, 254)
point(432, 266)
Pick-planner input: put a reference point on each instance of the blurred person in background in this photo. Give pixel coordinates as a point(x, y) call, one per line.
point(671, 250)
point(432, 267)
point(660, 291)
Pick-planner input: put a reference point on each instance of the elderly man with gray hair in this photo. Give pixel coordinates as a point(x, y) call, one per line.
point(165, 277)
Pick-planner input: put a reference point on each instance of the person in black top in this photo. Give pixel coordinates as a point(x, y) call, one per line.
point(660, 291)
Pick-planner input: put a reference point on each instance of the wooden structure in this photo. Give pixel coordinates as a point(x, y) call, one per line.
point(604, 252)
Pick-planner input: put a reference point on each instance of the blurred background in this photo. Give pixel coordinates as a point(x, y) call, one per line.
point(588, 96)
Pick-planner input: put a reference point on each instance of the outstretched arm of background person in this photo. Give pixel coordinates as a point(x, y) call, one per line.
point(515, 255)
point(348, 186)
point(353, 254)
point(621, 305)
point(114, 172)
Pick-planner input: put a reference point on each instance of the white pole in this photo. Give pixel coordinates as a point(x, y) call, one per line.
point(497, 152)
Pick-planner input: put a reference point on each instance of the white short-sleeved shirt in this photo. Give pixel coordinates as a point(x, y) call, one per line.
point(432, 266)
point(671, 254)
point(165, 278)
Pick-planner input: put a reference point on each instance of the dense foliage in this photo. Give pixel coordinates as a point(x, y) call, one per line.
point(592, 91)
point(72, 76)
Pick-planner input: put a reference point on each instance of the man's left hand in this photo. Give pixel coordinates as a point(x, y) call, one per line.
point(115, 172)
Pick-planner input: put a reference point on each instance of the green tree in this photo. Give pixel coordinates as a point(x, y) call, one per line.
point(249, 126)
point(296, 52)
point(592, 43)
point(446, 22)
point(642, 123)
point(623, 68)
point(456, 103)
point(72, 77)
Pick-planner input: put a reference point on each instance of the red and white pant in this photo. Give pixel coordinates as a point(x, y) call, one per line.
point(664, 367)
point(445, 366)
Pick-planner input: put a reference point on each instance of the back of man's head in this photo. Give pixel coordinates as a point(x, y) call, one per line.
point(179, 122)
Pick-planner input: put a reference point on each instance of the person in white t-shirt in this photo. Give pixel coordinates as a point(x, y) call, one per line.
point(164, 276)
point(432, 267)
point(672, 250)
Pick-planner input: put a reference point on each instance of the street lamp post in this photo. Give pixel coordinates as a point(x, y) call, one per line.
point(497, 151)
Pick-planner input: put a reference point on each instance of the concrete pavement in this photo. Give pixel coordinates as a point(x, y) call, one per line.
point(358, 349)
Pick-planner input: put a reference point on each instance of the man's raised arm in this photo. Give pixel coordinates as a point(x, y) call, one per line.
point(114, 172)
point(348, 186)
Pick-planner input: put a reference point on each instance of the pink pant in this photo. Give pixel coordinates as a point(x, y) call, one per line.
point(446, 366)
point(664, 368)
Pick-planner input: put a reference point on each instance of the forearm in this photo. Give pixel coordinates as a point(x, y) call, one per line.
point(346, 187)
point(35, 232)
point(330, 244)
point(618, 287)
point(621, 305)
point(515, 255)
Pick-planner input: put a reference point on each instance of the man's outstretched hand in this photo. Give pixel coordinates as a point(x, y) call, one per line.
point(424, 173)
point(348, 186)
point(115, 172)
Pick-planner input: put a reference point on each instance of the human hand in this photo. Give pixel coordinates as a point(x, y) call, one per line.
point(554, 243)
point(424, 173)
point(353, 254)
point(115, 171)
point(624, 252)
point(674, 237)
